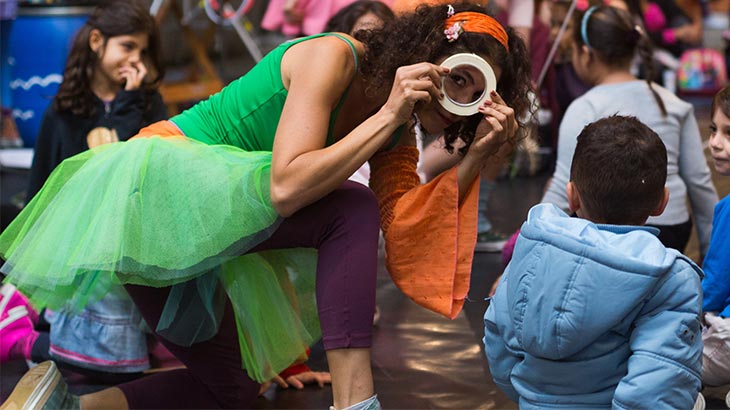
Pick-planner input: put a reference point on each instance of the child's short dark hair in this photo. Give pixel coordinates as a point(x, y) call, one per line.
point(619, 169)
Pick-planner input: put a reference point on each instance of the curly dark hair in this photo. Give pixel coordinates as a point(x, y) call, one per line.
point(419, 36)
point(112, 18)
point(345, 19)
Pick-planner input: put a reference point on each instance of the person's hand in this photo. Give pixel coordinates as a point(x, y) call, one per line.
point(292, 14)
point(686, 34)
point(414, 83)
point(493, 290)
point(264, 386)
point(498, 127)
point(133, 75)
point(300, 379)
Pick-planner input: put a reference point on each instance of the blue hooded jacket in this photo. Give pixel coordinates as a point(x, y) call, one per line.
point(595, 316)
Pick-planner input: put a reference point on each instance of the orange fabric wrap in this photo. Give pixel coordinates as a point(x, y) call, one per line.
point(429, 237)
point(392, 174)
point(164, 129)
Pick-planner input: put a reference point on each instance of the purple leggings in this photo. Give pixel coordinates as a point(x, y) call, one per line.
point(344, 227)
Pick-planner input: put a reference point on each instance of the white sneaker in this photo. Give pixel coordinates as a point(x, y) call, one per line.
point(699, 403)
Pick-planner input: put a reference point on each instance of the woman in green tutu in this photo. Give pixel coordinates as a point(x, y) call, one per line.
point(234, 230)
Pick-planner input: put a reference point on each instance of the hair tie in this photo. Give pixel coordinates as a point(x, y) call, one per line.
point(473, 22)
point(584, 25)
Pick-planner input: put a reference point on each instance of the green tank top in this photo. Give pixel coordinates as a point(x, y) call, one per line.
point(246, 112)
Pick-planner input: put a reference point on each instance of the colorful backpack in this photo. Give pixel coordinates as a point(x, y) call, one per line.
point(701, 71)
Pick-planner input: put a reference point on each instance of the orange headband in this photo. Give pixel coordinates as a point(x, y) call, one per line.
point(473, 22)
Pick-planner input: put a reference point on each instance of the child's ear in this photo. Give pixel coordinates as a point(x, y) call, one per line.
point(662, 204)
point(573, 197)
point(96, 40)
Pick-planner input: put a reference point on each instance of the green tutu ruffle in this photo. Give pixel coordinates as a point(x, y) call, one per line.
point(169, 212)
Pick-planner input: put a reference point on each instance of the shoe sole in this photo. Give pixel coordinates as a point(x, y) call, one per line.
point(34, 388)
point(489, 247)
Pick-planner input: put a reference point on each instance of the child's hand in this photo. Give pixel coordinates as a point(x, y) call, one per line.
point(133, 74)
point(300, 379)
point(292, 14)
point(297, 375)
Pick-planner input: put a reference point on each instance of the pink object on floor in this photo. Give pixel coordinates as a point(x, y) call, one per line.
point(16, 335)
point(10, 297)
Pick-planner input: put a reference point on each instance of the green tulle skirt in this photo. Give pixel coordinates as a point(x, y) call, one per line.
point(169, 212)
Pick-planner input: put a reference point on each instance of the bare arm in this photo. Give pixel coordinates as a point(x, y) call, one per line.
point(692, 32)
point(303, 169)
point(498, 127)
point(489, 150)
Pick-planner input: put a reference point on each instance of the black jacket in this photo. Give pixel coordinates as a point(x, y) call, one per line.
point(63, 135)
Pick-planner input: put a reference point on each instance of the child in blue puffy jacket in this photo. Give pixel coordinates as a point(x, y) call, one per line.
point(593, 311)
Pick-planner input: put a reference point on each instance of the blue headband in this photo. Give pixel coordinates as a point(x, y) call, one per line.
point(584, 25)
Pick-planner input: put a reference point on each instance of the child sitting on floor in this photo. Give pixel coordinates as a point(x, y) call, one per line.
point(593, 311)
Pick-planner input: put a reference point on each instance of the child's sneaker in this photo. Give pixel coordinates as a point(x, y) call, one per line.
point(42, 387)
point(490, 241)
point(10, 297)
point(700, 402)
point(368, 404)
point(16, 335)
